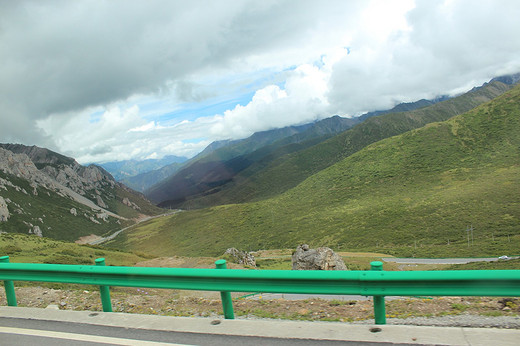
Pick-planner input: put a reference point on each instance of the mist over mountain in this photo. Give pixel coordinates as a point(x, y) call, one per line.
point(218, 164)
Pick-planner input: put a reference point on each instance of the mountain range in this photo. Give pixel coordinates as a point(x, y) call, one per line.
point(143, 175)
point(409, 184)
point(121, 170)
point(51, 195)
point(239, 171)
point(417, 174)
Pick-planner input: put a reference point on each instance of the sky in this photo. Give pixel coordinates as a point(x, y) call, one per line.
point(116, 80)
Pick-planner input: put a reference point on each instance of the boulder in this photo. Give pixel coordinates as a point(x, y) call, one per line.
point(241, 257)
point(99, 201)
point(322, 258)
point(37, 231)
point(131, 204)
point(4, 212)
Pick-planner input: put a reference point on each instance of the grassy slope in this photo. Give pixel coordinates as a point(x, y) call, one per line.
point(54, 211)
point(32, 249)
point(406, 195)
point(269, 178)
point(119, 193)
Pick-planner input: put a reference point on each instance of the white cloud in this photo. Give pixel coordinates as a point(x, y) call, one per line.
point(445, 48)
point(111, 80)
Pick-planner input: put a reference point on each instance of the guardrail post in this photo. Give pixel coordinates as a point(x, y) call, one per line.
point(104, 290)
point(379, 301)
point(227, 303)
point(9, 286)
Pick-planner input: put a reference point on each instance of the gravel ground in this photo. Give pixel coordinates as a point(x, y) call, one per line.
point(482, 312)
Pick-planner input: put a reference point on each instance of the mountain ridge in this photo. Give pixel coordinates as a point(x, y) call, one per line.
point(68, 191)
point(265, 179)
point(221, 165)
point(411, 194)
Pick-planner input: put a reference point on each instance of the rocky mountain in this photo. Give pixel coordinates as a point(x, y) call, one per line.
point(48, 194)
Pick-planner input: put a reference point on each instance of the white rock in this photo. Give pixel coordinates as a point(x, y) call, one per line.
point(4, 211)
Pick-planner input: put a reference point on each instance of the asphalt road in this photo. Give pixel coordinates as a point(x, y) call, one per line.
point(115, 234)
point(14, 331)
point(440, 260)
point(50, 327)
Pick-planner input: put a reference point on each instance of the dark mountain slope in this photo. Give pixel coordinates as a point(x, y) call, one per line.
point(204, 175)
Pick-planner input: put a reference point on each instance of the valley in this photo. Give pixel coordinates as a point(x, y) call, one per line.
point(413, 194)
point(406, 182)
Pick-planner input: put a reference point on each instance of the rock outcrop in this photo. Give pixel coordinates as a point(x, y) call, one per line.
point(322, 258)
point(241, 257)
point(131, 204)
point(65, 177)
point(36, 230)
point(4, 211)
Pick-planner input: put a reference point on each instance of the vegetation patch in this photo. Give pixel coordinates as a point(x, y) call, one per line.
point(44, 250)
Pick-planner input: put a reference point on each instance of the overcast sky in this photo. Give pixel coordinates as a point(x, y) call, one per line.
point(114, 80)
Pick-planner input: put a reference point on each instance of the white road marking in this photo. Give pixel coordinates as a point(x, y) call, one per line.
point(83, 337)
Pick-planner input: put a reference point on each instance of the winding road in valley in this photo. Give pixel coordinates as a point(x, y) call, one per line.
point(102, 240)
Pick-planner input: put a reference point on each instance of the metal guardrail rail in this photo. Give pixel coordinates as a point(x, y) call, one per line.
point(376, 282)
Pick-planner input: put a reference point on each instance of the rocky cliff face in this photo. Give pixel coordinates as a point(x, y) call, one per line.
point(36, 182)
point(69, 179)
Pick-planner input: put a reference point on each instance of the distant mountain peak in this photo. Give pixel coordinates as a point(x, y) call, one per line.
point(510, 79)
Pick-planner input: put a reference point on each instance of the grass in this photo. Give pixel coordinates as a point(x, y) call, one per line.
point(409, 195)
point(32, 249)
point(513, 264)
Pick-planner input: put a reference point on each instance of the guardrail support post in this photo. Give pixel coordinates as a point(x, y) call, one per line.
point(104, 290)
point(379, 301)
point(227, 303)
point(9, 286)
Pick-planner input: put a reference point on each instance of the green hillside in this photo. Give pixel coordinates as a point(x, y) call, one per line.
point(412, 194)
point(211, 169)
point(32, 249)
point(278, 173)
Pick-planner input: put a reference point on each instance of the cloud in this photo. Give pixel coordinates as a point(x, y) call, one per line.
point(445, 48)
point(302, 100)
point(110, 80)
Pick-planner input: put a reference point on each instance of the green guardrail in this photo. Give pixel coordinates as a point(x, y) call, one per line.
point(376, 282)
